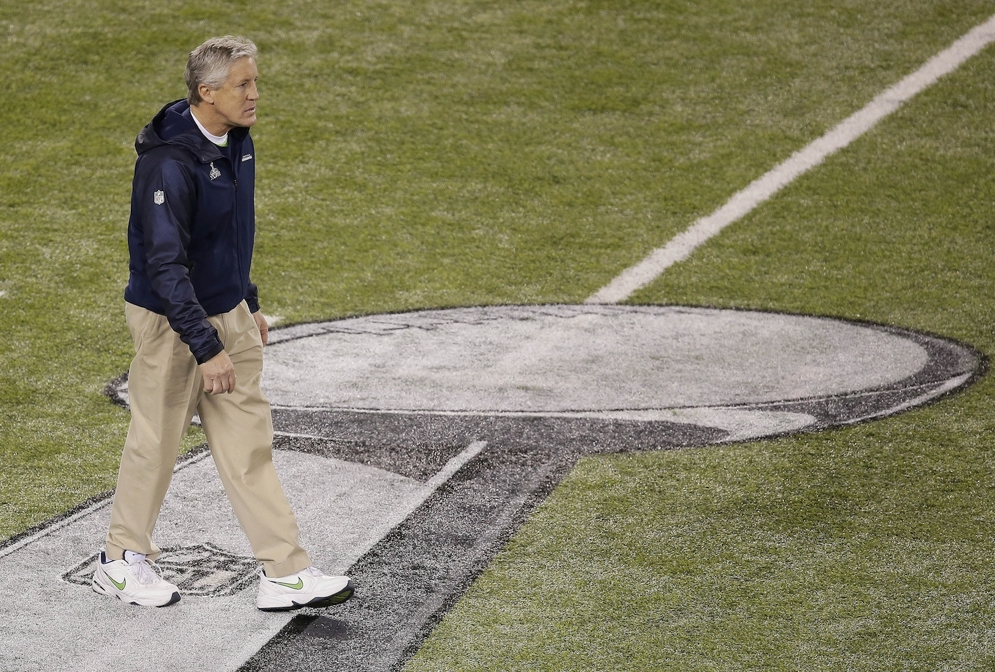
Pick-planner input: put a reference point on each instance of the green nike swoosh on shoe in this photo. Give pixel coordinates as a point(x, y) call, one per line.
point(139, 584)
point(312, 588)
point(293, 586)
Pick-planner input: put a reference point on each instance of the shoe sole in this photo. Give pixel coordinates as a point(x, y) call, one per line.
point(318, 602)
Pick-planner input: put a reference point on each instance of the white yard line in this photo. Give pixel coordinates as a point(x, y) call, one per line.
point(433, 484)
point(44, 532)
point(452, 466)
point(82, 513)
point(680, 248)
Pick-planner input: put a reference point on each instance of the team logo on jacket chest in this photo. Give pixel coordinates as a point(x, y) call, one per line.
point(215, 173)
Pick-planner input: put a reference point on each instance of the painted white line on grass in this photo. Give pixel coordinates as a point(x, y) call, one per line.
point(948, 386)
point(296, 435)
point(433, 484)
point(680, 248)
point(82, 513)
point(96, 506)
point(452, 466)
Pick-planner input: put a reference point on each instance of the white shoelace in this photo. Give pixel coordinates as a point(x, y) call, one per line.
point(143, 570)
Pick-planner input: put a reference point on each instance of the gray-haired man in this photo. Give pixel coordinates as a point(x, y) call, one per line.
point(199, 336)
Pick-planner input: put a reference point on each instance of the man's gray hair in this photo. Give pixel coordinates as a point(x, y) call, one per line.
point(209, 63)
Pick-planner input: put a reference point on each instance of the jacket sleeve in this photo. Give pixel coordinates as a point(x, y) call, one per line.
point(167, 193)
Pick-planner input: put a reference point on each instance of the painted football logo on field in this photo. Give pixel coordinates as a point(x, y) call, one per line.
point(413, 445)
point(539, 387)
point(731, 375)
point(199, 570)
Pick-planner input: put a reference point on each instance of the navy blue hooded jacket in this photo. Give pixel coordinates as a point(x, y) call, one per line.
point(192, 226)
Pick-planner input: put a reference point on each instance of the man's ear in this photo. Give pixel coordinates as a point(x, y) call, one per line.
point(206, 93)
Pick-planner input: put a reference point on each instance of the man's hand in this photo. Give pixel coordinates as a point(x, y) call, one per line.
point(263, 326)
point(219, 374)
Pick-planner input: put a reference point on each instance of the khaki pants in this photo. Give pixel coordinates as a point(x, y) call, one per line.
point(165, 389)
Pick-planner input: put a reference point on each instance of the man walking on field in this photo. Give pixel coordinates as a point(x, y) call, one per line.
point(199, 336)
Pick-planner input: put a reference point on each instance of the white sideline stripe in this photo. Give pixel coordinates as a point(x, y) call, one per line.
point(295, 435)
point(82, 513)
point(382, 527)
point(680, 247)
point(452, 466)
point(948, 386)
point(432, 484)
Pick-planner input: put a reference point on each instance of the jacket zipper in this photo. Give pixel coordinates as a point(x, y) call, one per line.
point(238, 233)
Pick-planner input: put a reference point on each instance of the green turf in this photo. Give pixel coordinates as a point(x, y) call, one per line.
point(867, 548)
point(429, 154)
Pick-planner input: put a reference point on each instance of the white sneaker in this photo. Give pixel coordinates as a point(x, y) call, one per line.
point(133, 580)
point(307, 588)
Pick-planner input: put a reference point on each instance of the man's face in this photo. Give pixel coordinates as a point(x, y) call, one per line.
point(235, 101)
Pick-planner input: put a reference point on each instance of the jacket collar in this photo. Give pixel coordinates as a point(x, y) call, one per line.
point(174, 125)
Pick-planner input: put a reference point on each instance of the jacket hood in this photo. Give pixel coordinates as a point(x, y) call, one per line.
point(174, 125)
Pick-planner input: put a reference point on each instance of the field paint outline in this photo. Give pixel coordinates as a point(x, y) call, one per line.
point(744, 201)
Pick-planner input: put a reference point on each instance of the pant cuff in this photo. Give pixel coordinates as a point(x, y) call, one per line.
point(291, 565)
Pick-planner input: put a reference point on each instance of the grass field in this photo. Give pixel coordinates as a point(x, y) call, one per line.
point(435, 154)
